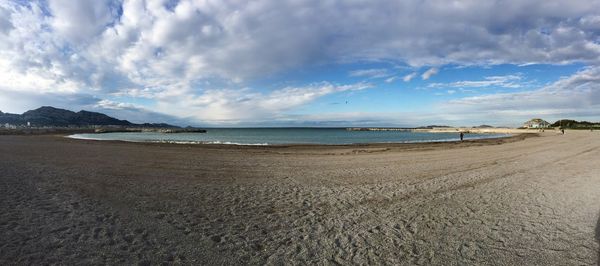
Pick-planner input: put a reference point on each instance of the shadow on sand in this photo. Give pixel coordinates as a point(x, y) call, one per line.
point(598, 237)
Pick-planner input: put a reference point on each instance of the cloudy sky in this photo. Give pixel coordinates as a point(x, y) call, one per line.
point(304, 63)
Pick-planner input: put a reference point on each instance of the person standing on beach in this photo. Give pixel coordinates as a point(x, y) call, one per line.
point(562, 130)
point(462, 135)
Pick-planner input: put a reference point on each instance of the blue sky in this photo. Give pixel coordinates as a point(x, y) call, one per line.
point(304, 63)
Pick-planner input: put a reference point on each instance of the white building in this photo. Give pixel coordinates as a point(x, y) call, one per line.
point(9, 126)
point(536, 123)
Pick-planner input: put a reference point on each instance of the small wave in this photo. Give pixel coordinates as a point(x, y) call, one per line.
point(236, 143)
point(78, 136)
point(188, 142)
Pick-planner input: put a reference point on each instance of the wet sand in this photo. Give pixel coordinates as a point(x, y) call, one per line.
point(502, 202)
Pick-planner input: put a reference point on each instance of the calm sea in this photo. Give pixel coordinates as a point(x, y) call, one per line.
point(271, 136)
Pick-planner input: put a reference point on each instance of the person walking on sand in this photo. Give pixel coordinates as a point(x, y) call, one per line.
point(462, 135)
point(562, 130)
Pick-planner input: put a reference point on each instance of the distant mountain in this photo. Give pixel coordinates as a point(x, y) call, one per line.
point(158, 125)
point(432, 126)
point(50, 116)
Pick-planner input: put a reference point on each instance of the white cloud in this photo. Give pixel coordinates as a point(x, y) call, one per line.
point(108, 104)
point(429, 73)
point(507, 81)
point(576, 96)
point(81, 21)
point(228, 106)
point(148, 49)
point(391, 79)
point(152, 45)
point(409, 77)
point(370, 73)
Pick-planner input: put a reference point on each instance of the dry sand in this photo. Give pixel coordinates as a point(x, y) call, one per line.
point(531, 201)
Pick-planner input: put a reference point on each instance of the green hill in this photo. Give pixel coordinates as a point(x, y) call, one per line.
point(573, 124)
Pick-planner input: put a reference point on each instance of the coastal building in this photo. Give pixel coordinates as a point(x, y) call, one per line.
point(536, 123)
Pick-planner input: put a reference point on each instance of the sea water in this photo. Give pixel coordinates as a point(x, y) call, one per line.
point(274, 136)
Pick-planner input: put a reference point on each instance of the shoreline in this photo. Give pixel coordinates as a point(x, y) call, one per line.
point(416, 144)
point(474, 130)
point(478, 139)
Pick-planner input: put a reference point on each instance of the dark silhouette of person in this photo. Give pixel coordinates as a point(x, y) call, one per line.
point(462, 135)
point(563, 131)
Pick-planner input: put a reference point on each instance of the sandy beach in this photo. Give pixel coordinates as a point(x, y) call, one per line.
point(515, 201)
